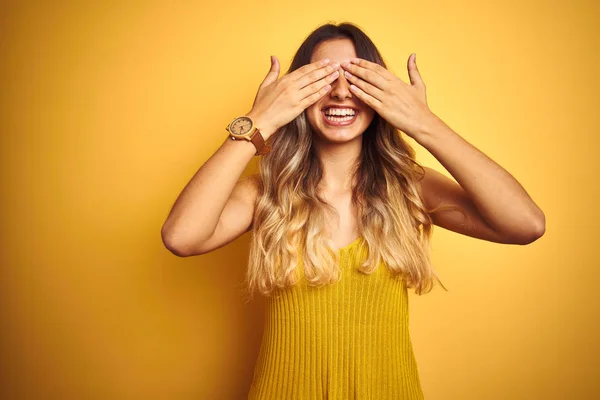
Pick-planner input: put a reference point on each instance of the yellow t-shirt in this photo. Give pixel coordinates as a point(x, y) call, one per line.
point(344, 341)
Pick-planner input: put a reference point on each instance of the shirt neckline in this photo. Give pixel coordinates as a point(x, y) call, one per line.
point(348, 246)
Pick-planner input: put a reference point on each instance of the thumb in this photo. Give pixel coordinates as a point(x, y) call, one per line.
point(273, 74)
point(413, 71)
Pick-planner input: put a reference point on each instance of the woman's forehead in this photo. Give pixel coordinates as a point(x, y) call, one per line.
point(337, 50)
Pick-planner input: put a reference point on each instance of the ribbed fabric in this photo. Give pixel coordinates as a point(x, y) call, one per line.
point(345, 341)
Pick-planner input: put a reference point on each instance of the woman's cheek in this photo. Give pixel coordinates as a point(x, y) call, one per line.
point(312, 116)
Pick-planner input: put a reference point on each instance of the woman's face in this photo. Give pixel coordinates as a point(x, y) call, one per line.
point(339, 100)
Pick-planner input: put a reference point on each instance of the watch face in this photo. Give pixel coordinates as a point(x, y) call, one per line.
point(241, 125)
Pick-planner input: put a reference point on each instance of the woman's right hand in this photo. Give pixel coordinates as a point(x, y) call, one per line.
point(280, 101)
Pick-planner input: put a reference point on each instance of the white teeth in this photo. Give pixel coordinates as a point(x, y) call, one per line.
point(339, 111)
point(339, 119)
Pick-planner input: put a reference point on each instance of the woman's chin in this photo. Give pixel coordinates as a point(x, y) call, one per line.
point(338, 135)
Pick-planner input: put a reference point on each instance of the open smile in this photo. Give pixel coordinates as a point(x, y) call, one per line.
point(339, 120)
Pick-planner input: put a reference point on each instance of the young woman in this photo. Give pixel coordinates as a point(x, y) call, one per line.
point(341, 215)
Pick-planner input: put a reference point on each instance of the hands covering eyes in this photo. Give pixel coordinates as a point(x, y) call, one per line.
point(404, 106)
point(279, 101)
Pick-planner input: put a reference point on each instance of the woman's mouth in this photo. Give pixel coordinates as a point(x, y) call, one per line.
point(339, 120)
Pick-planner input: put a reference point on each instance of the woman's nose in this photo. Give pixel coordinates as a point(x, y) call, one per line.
point(341, 87)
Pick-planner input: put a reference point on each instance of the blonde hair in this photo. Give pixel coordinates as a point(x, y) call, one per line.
point(290, 216)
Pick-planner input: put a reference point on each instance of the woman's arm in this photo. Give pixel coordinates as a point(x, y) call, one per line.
point(500, 200)
point(199, 209)
point(209, 212)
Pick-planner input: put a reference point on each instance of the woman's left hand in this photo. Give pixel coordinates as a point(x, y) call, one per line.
point(403, 106)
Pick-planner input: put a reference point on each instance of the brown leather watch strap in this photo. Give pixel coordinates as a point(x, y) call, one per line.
point(260, 144)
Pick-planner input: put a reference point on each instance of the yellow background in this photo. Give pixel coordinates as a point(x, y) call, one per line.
point(106, 111)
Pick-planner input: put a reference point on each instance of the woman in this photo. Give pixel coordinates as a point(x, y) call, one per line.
point(341, 215)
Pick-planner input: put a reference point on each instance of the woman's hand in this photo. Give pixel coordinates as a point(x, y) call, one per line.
point(280, 101)
point(403, 106)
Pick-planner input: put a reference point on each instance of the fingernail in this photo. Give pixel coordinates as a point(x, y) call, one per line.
point(325, 61)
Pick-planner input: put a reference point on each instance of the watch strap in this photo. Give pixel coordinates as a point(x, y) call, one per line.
point(259, 142)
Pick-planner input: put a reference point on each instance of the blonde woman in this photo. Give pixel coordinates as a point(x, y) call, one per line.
point(341, 216)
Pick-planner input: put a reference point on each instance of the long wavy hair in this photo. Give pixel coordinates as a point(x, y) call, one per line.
point(290, 216)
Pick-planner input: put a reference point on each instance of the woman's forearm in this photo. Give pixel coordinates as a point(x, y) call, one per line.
point(500, 199)
point(196, 212)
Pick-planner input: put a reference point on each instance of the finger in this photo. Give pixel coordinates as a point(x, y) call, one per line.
point(374, 78)
point(365, 86)
point(316, 86)
point(273, 73)
point(314, 76)
point(305, 69)
point(380, 69)
point(413, 71)
point(366, 98)
point(386, 74)
point(313, 98)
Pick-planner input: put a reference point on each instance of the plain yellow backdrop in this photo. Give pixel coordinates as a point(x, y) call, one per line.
point(107, 110)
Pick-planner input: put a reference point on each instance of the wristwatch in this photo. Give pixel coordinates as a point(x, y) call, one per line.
point(244, 128)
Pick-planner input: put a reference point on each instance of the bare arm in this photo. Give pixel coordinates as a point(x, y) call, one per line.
point(492, 197)
point(215, 207)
